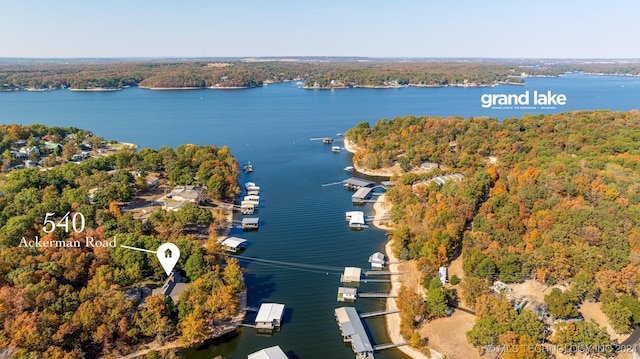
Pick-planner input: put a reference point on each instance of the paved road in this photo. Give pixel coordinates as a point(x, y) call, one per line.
point(633, 338)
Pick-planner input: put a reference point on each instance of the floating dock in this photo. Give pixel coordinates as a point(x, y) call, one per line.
point(361, 195)
point(269, 316)
point(250, 223)
point(356, 219)
point(354, 183)
point(274, 352)
point(353, 332)
point(351, 275)
point(234, 244)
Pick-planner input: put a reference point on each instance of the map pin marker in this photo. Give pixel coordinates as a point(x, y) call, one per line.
point(168, 254)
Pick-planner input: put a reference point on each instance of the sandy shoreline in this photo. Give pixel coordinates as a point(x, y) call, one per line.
point(381, 208)
point(351, 147)
point(395, 170)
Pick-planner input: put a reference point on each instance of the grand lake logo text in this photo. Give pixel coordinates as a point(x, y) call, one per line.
point(526, 100)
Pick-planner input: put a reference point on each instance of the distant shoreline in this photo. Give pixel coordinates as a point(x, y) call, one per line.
point(95, 89)
point(195, 88)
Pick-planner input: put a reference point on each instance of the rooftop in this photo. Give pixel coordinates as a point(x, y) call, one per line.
point(377, 257)
point(269, 312)
point(172, 287)
point(274, 352)
point(358, 182)
point(352, 328)
point(250, 220)
point(234, 242)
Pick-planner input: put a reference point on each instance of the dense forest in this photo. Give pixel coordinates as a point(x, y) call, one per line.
point(74, 302)
point(552, 198)
point(318, 74)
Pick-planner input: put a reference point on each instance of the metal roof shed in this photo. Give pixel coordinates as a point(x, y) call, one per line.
point(250, 223)
point(233, 244)
point(356, 183)
point(269, 315)
point(353, 331)
point(351, 274)
point(274, 352)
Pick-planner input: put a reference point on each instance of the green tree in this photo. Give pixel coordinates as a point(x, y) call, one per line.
point(486, 331)
point(472, 288)
point(527, 323)
point(560, 304)
point(619, 316)
point(195, 265)
point(437, 299)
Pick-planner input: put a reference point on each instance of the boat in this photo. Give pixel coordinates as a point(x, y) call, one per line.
point(248, 167)
point(335, 149)
point(349, 168)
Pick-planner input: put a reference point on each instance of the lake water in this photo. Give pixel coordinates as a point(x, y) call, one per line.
point(301, 221)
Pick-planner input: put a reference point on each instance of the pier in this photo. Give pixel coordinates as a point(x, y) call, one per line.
point(378, 313)
point(376, 295)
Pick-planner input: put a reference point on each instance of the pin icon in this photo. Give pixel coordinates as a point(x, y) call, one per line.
point(168, 254)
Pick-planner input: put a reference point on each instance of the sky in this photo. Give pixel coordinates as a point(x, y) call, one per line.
point(372, 28)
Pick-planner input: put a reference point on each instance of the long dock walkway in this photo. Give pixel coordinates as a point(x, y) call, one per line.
point(387, 346)
point(382, 272)
point(376, 295)
point(378, 313)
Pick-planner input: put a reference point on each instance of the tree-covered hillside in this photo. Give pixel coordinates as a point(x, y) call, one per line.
point(554, 198)
point(65, 301)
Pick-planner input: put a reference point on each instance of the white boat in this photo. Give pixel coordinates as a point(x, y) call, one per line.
point(349, 168)
point(335, 149)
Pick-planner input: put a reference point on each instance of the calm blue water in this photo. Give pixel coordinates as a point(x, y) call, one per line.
point(301, 221)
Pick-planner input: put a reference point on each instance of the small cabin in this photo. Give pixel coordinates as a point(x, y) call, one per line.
point(250, 223)
point(269, 316)
point(347, 294)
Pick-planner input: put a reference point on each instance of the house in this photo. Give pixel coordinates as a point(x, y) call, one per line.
point(53, 146)
point(153, 181)
point(353, 331)
point(234, 244)
point(440, 180)
point(250, 223)
point(428, 166)
point(351, 275)
point(20, 143)
point(269, 316)
point(442, 275)
point(193, 194)
point(377, 260)
point(347, 294)
point(274, 352)
point(173, 286)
